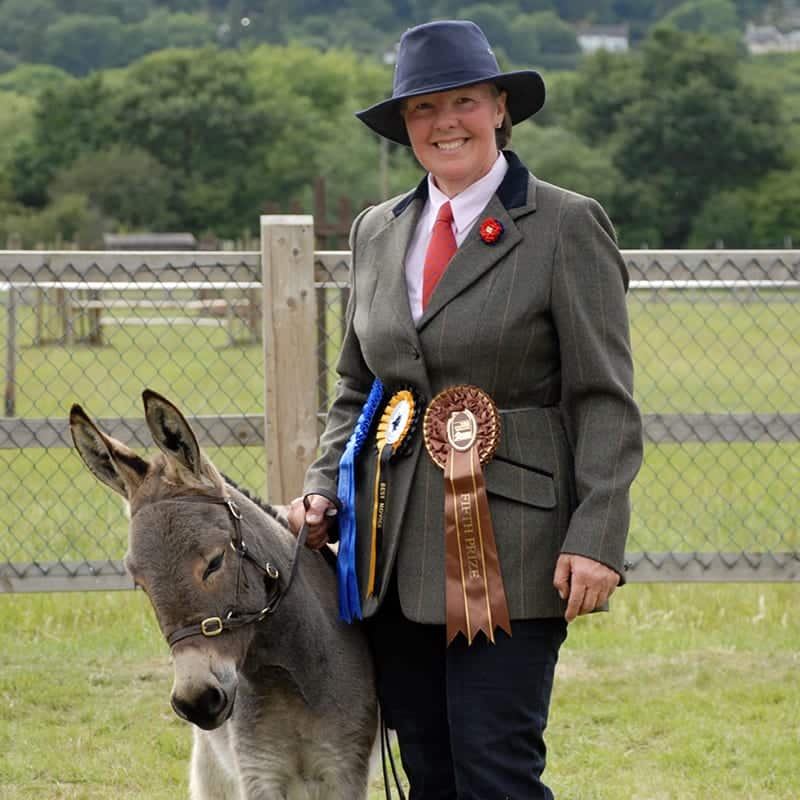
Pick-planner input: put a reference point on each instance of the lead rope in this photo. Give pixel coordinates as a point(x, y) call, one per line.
point(387, 749)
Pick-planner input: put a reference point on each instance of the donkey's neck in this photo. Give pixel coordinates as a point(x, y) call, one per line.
point(264, 506)
point(303, 636)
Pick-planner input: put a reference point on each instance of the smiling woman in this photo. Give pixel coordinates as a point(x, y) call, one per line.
point(452, 133)
point(499, 301)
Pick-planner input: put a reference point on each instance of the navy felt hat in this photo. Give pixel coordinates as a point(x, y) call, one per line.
point(444, 55)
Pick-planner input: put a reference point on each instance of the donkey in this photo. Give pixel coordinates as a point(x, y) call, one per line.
point(280, 693)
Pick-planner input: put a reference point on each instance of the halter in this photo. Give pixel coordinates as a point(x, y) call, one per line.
point(233, 619)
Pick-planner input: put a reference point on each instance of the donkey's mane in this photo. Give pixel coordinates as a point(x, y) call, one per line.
point(327, 553)
point(264, 506)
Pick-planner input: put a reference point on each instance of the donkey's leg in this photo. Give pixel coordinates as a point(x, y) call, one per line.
point(214, 774)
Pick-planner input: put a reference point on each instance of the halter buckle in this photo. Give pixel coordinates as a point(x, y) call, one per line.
point(272, 571)
point(233, 508)
point(212, 626)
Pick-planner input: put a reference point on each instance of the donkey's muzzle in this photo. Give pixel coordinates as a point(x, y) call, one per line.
point(207, 709)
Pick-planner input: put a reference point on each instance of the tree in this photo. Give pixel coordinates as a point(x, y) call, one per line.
point(196, 113)
point(494, 21)
point(22, 24)
point(315, 94)
point(607, 84)
point(763, 216)
point(775, 222)
point(192, 110)
point(31, 79)
point(7, 61)
point(161, 30)
point(694, 130)
point(543, 38)
point(126, 185)
point(124, 10)
point(559, 156)
point(16, 123)
point(725, 220)
point(705, 16)
point(71, 218)
point(81, 43)
point(70, 120)
point(559, 106)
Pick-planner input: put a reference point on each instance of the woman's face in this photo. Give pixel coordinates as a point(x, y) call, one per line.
point(452, 133)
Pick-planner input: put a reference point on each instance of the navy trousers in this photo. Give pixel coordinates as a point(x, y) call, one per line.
point(470, 720)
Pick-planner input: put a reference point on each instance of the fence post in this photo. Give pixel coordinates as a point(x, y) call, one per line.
point(290, 357)
point(10, 395)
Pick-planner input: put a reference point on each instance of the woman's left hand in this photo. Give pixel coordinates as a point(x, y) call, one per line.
point(585, 583)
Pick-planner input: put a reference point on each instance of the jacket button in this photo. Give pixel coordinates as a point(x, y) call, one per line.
point(414, 353)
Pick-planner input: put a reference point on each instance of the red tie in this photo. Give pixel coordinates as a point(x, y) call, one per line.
point(440, 250)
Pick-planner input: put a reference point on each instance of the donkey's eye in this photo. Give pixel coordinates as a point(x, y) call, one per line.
point(213, 565)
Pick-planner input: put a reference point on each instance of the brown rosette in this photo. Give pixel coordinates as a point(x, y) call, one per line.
point(463, 396)
point(462, 430)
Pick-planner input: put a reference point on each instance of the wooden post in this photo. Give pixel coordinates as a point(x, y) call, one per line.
point(38, 337)
point(290, 344)
point(94, 314)
point(11, 353)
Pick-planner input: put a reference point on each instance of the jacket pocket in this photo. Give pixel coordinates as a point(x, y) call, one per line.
point(518, 482)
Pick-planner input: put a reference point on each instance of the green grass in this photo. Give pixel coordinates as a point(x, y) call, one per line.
point(684, 692)
point(193, 366)
point(714, 356)
point(717, 497)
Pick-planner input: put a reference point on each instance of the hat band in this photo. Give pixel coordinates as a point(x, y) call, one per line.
point(416, 84)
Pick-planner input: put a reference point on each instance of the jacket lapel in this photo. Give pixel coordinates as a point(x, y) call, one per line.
point(387, 250)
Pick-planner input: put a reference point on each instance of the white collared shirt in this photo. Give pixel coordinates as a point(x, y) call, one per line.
point(466, 205)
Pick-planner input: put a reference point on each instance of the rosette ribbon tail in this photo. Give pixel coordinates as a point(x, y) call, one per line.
point(393, 437)
point(475, 595)
point(349, 600)
point(378, 516)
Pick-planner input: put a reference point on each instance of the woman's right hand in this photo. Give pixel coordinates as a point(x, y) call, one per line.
point(315, 511)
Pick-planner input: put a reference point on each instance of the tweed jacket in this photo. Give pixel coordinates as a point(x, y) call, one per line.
point(538, 321)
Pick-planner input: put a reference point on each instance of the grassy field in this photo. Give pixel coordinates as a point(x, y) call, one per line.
point(689, 692)
point(682, 692)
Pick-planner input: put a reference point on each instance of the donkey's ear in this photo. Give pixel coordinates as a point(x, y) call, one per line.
point(107, 459)
point(171, 432)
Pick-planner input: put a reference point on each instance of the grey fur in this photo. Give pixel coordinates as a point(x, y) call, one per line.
point(284, 709)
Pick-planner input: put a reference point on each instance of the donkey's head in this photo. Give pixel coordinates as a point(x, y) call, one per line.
point(180, 552)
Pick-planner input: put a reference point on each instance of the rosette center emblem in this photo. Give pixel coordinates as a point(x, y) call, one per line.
point(462, 430)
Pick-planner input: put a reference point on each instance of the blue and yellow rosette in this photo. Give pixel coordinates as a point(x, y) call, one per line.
point(349, 600)
point(393, 439)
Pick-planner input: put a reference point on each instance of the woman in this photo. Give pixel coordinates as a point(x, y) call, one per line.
point(529, 315)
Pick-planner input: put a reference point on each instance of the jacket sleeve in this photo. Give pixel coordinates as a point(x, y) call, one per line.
point(603, 422)
point(352, 388)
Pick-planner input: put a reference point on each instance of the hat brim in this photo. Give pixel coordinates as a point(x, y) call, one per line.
point(526, 96)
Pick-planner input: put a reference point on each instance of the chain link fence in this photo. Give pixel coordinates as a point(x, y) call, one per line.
point(717, 352)
point(96, 329)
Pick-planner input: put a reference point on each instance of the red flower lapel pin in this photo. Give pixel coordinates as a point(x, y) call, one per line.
point(491, 230)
